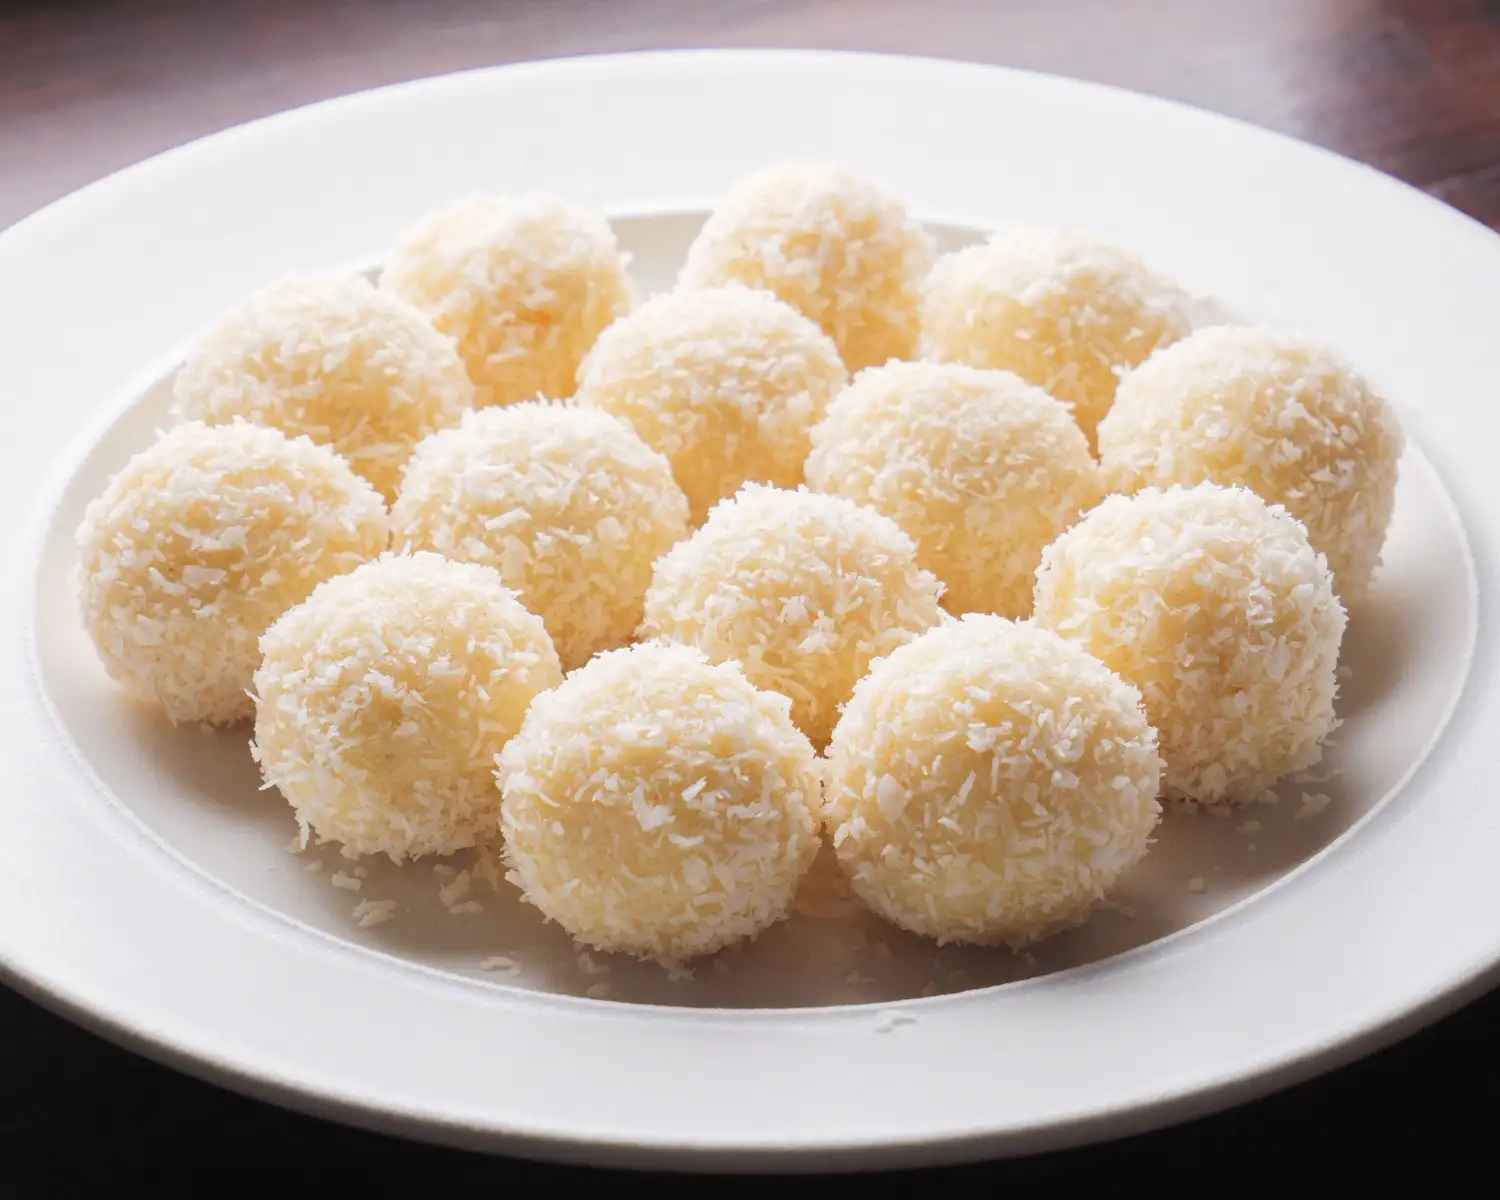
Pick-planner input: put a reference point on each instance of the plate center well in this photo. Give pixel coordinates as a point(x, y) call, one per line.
point(1405, 658)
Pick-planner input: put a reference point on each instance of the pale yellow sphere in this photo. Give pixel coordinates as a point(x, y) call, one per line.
point(803, 590)
point(659, 805)
point(990, 782)
point(203, 540)
point(838, 248)
point(332, 357)
point(567, 503)
point(383, 699)
point(524, 286)
point(726, 382)
point(980, 468)
point(1273, 412)
point(1066, 311)
point(1214, 604)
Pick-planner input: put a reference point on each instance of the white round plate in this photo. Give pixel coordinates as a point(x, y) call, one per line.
point(149, 891)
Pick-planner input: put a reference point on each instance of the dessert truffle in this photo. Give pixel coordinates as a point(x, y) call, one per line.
point(1062, 309)
point(1215, 605)
point(726, 382)
point(1273, 412)
point(803, 590)
point(659, 805)
point(980, 468)
point(199, 543)
point(989, 782)
point(329, 356)
point(384, 697)
point(524, 286)
point(567, 503)
point(838, 248)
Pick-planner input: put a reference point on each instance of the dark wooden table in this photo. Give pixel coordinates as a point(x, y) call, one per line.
point(86, 86)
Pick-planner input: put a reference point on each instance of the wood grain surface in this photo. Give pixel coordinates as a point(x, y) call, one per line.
point(1409, 86)
point(87, 86)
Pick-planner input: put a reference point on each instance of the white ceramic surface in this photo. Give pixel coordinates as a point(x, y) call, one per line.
point(149, 890)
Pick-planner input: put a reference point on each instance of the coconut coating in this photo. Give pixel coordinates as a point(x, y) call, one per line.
point(989, 782)
point(331, 357)
point(980, 468)
point(726, 382)
point(659, 805)
point(203, 540)
point(1064, 310)
point(524, 286)
point(1278, 414)
point(801, 589)
point(567, 503)
point(383, 699)
point(838, 248)
point(1214, 604)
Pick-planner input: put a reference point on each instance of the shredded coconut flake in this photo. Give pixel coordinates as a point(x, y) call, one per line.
point(374, 912)
point(1312, 804)
point(454, 890)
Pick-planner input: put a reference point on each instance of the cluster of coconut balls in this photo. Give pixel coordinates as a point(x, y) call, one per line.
point(963, 565)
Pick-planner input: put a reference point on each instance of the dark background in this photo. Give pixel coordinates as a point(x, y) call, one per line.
point(87, 86)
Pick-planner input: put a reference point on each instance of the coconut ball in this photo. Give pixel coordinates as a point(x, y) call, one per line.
point(836, 247)
point(726, 382)
point(803, 590)
point(331, 357)
point(384, 697)
point(659, 805)
point(203, 540)
point(1278, 414)
point(1215, 605)
point(1063, 310)
point(989, 782)
point(567, 503)
point(524, 286)
point(981, 469)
